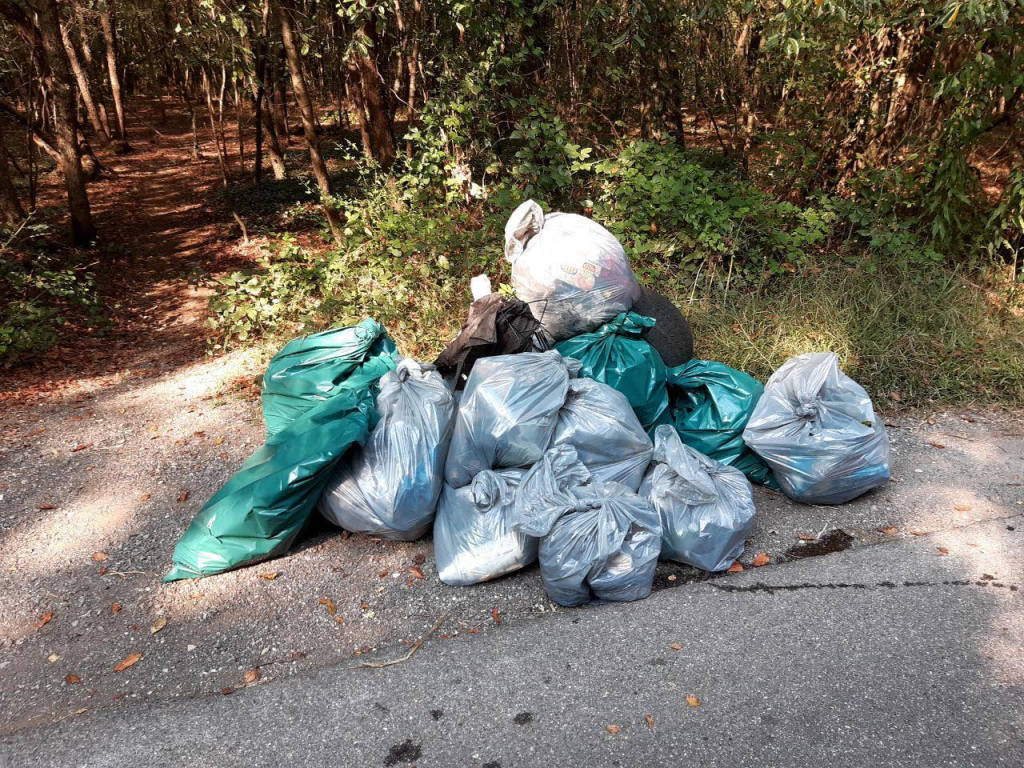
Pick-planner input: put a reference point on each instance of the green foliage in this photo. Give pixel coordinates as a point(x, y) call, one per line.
point(42, 289)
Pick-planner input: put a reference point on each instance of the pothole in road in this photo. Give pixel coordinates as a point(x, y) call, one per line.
point(835, 540)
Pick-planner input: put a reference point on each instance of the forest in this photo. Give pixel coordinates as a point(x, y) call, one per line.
point(795, 174)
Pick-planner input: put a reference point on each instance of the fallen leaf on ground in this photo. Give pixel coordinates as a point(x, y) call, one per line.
point(52, 658)
point(495, 616)
point(227, 691)
point(943, 550)
point(199, 434)
point(327, 603)
point(158, 625)
point(416, 572)
point(649, 720)
point(99, 557)
point(116, 607)
point(339, 620)
point(251, 675)
point(692, 700)
point(961, 507)
point(936, 444)
point(222, 455)
point(916, 532)
point(183, 496)
point(612, 729)
point(806, 537)
point(79, 447)
point(761, 558)
point(736, 567)
point(676, 646)
point(888, 530)
point(364, 606)
point(672, 577)
point(45, 619)
point(146, 497)
point(218, 441)
point(270, 575)
point(72, 679)
point(127, 661)
point(196, 596)
point(46, 507)
point(81, 710)
point(420, 559)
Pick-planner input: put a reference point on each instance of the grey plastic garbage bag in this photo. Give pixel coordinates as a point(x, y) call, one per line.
point(598, 540)
point(572, 272)
point(473, 536)
point(507, 413)
point(600, 424)
point(817, 430)
point(389, 487)
point(706, 507)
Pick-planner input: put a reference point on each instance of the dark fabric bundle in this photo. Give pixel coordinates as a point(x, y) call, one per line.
point(497, 325)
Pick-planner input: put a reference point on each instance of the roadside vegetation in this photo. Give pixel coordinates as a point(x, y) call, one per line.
point(795, 176)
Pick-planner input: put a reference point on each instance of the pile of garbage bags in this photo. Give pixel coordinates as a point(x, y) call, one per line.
point(593, 457)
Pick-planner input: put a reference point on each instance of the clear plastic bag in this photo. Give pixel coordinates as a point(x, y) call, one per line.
point(599, 423)
point(572, 272)
point(817, 430)
point(473, 537)
point(507, 413)
point(390, 486)
point(597, 540)
point(706, 507)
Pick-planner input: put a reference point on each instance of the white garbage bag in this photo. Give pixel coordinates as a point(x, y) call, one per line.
point(507, 413)
point(572, 272)
point(706, 507)
point(600, 424)
point(817, 430)
point(389, 487)
point(598, 540)
point(473, 536)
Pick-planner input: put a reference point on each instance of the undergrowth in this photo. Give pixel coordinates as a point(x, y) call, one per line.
point(760, 278)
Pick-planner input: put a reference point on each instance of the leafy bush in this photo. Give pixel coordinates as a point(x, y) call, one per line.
point(42, 288)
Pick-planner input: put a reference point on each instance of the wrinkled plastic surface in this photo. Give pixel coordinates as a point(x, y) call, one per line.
point(473, 536)
point(706, 507)
point(261, 509)
point(308, 369)
point(507, 413)
point(572, 272)
point(817, 429)
point(598, 422)
point(497, 325)
point(616, 354)
point(389, 487)
point(598, 540)
point(711, 404)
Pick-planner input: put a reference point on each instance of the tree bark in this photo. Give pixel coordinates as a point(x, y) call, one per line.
point(110, 37)
point(316, 160)
point(382, 143)
point(11, 211)
point(56, 76)
point(82, 78)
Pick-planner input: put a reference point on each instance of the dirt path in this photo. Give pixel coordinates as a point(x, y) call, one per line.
point(159, 225)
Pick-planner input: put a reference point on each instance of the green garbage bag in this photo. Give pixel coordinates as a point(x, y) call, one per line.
point(617, 355)
point(711, 404)
point(261, 509)
point(309, 369)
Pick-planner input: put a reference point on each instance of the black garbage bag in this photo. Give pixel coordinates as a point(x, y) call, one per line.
point(497, 325)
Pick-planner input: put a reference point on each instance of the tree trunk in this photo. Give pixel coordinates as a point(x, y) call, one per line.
point(382, 143)
point(11, 212)
point(316, 160)
point(84, 90)
point(56, 74)
point(110, 37)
